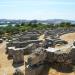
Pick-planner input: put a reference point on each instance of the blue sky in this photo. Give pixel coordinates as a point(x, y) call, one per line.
point(37, 9)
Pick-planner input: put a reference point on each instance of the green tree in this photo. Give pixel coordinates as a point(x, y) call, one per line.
point(23, 24)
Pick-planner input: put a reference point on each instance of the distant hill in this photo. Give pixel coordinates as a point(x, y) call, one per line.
point(7, 21)
point(49, 21)
point(56, 21)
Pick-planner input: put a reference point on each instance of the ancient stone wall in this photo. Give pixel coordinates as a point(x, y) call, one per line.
point(10, 52)
point(33, 71)
point(68, 58)
point(35, 58)
point(18, 56)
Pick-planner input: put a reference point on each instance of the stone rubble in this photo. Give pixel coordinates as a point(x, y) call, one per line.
point(40, 51)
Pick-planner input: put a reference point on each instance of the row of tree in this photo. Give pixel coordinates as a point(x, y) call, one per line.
point(10, 29)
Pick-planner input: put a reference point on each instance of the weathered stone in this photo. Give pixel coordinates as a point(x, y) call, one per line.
point(33, 71)
point(18, 72)
point(10, 52)
point(18, 56)
point(1, 40)
point(37, 57)
point(61, 56)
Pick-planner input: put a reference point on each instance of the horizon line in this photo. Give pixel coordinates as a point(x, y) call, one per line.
point(36, 19)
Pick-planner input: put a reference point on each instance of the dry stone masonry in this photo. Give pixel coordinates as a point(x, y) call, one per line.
point(51, 50)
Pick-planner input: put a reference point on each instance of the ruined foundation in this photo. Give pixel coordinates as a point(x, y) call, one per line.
point(18, 56)
point(41, 52)
point(33, 71)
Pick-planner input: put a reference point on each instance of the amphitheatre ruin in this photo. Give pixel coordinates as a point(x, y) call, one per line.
point(39, 52)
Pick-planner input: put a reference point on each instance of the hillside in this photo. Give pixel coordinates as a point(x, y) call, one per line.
point(49, 21)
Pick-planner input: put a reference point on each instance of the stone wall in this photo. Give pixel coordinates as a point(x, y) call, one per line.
point(34, 64)
point(68, 58)
point(10, 52)
point(33, 71)
point(18, 56)
point(37, 57)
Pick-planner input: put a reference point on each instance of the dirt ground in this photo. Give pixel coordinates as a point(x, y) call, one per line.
point(70, 37)
point(41, 37)
point(6, 67)
point(5, 64)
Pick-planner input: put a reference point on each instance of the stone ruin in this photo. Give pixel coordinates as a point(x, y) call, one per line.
point(61, 56)
point(22, 44)
point(1, 40)
point(18, 72)
point(18, 56)
point(35, 63)
point(53, 42)
point(41, 51)
point(56, 33)
point(27, 46)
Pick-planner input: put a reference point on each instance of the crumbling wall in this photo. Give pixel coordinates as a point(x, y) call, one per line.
point(18, 56)
point(37, 57)
point(72, 55)
point(51, 57)
point(34, 64)
point(10, 52)
point(33, 71)
point(68, 58)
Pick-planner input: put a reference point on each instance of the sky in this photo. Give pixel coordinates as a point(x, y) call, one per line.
point(37, 9)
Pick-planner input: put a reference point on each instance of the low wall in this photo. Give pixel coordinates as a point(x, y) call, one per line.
point(61, 58)
point(18, 57)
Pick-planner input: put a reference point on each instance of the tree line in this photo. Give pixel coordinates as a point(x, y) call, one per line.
point(10, 29)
